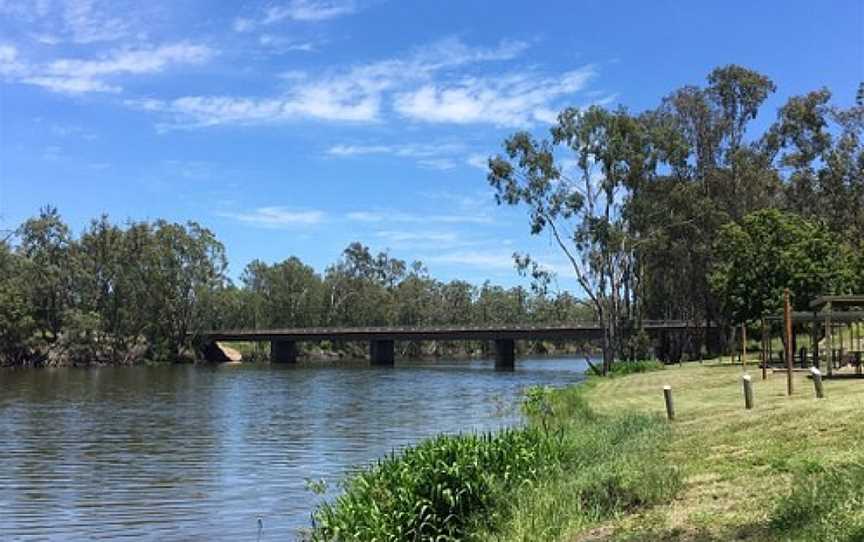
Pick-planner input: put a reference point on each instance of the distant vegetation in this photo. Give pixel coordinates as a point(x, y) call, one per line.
point(123, 294)
point(677, 212)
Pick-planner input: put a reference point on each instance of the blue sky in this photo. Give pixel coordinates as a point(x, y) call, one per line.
point(293, 127)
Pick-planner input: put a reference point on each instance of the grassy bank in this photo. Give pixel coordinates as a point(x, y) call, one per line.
point(567, 469)
point(789, 470)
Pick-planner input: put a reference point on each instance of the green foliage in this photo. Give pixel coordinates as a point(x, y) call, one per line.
point(770, 251)
point(431, 491)
point(623, 368)
point(825, 504)
point(568, 468)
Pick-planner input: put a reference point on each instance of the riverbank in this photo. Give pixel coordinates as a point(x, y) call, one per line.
point(790, 469)
point(616, 470)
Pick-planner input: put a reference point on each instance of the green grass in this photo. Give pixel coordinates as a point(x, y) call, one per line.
point(569, 468)
point(743, 471)
point(599, 462)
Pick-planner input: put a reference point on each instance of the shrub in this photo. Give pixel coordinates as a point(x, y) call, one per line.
point(431, 491)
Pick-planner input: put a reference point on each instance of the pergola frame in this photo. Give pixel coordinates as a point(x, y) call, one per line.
point(832, 321)
point(823, 307)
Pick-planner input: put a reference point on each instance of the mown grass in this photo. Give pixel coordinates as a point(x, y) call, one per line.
point(784, 471)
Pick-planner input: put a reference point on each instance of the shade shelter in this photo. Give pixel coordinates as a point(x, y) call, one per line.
point(830, 310)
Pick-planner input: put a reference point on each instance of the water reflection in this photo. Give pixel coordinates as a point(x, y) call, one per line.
point(192, 453)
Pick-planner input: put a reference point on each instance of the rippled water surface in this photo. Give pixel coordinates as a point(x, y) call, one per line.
point(200, 453)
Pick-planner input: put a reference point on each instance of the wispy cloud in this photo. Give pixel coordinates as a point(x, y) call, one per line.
point(404, 217)
point(514, 100)
point(355, 94)
point(76, 75)
point(278, 217)
point(296, 10)
point(76, 21)
point(478, 161)
point(490, 259)
point(439, 156)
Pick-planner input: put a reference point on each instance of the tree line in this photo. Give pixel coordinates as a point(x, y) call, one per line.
point(144, 290)
point(679, 212)
point(684, 212)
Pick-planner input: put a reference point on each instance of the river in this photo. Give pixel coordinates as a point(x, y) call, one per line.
point(201, 453)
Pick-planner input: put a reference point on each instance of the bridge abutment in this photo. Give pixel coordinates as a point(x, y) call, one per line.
point(505, 354)
point(283, 352)
point(381, 352)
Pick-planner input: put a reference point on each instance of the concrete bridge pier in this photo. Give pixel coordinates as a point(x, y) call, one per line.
point(283, 352)
point(505, 354)
point(381, 352)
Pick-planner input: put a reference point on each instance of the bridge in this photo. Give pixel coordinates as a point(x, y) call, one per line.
point(283, 342)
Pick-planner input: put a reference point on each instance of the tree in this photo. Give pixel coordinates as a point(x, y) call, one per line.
point(45, 242)
point(771, 251)
point(584, 214)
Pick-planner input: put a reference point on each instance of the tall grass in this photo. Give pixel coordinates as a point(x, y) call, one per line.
point(568, 467)
point(826, 504)
point(622, 368)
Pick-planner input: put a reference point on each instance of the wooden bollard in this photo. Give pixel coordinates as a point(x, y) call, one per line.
point(748, 392)
point(670, 408)
point(817, 382)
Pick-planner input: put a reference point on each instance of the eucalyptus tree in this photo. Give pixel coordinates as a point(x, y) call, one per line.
point(821, 150)
point(286, 294)
point(582, 207)
point(17, 318)
point(182, 265)
point(45, 242)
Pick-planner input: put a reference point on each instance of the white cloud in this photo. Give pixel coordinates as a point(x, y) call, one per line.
point(411, 150)
point(10, 65)
point(413, 237)
point(282, 44)
point(353, 94)
point(296, 10)
point(75, 75)
point(77, 21)
point(475, 258)
point(309, 10)
point(70, 84)
point(478, 161)
point(512, 100)
point(403, 217)
point(441, 164)
point(278, 217)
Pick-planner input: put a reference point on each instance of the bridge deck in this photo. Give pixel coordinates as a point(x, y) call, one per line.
point(576, 330)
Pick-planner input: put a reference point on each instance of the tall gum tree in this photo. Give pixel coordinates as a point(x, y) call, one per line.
point(582, 207)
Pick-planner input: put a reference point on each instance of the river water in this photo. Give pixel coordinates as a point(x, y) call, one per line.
point(203, 453)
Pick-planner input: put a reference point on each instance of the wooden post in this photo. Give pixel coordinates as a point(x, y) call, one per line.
point(815, 340)
point(829, 347)
point(787, 319)
point(744, 346)
point(765, 345)
point(748, 392)
point(817, 382)
point(670, 408)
